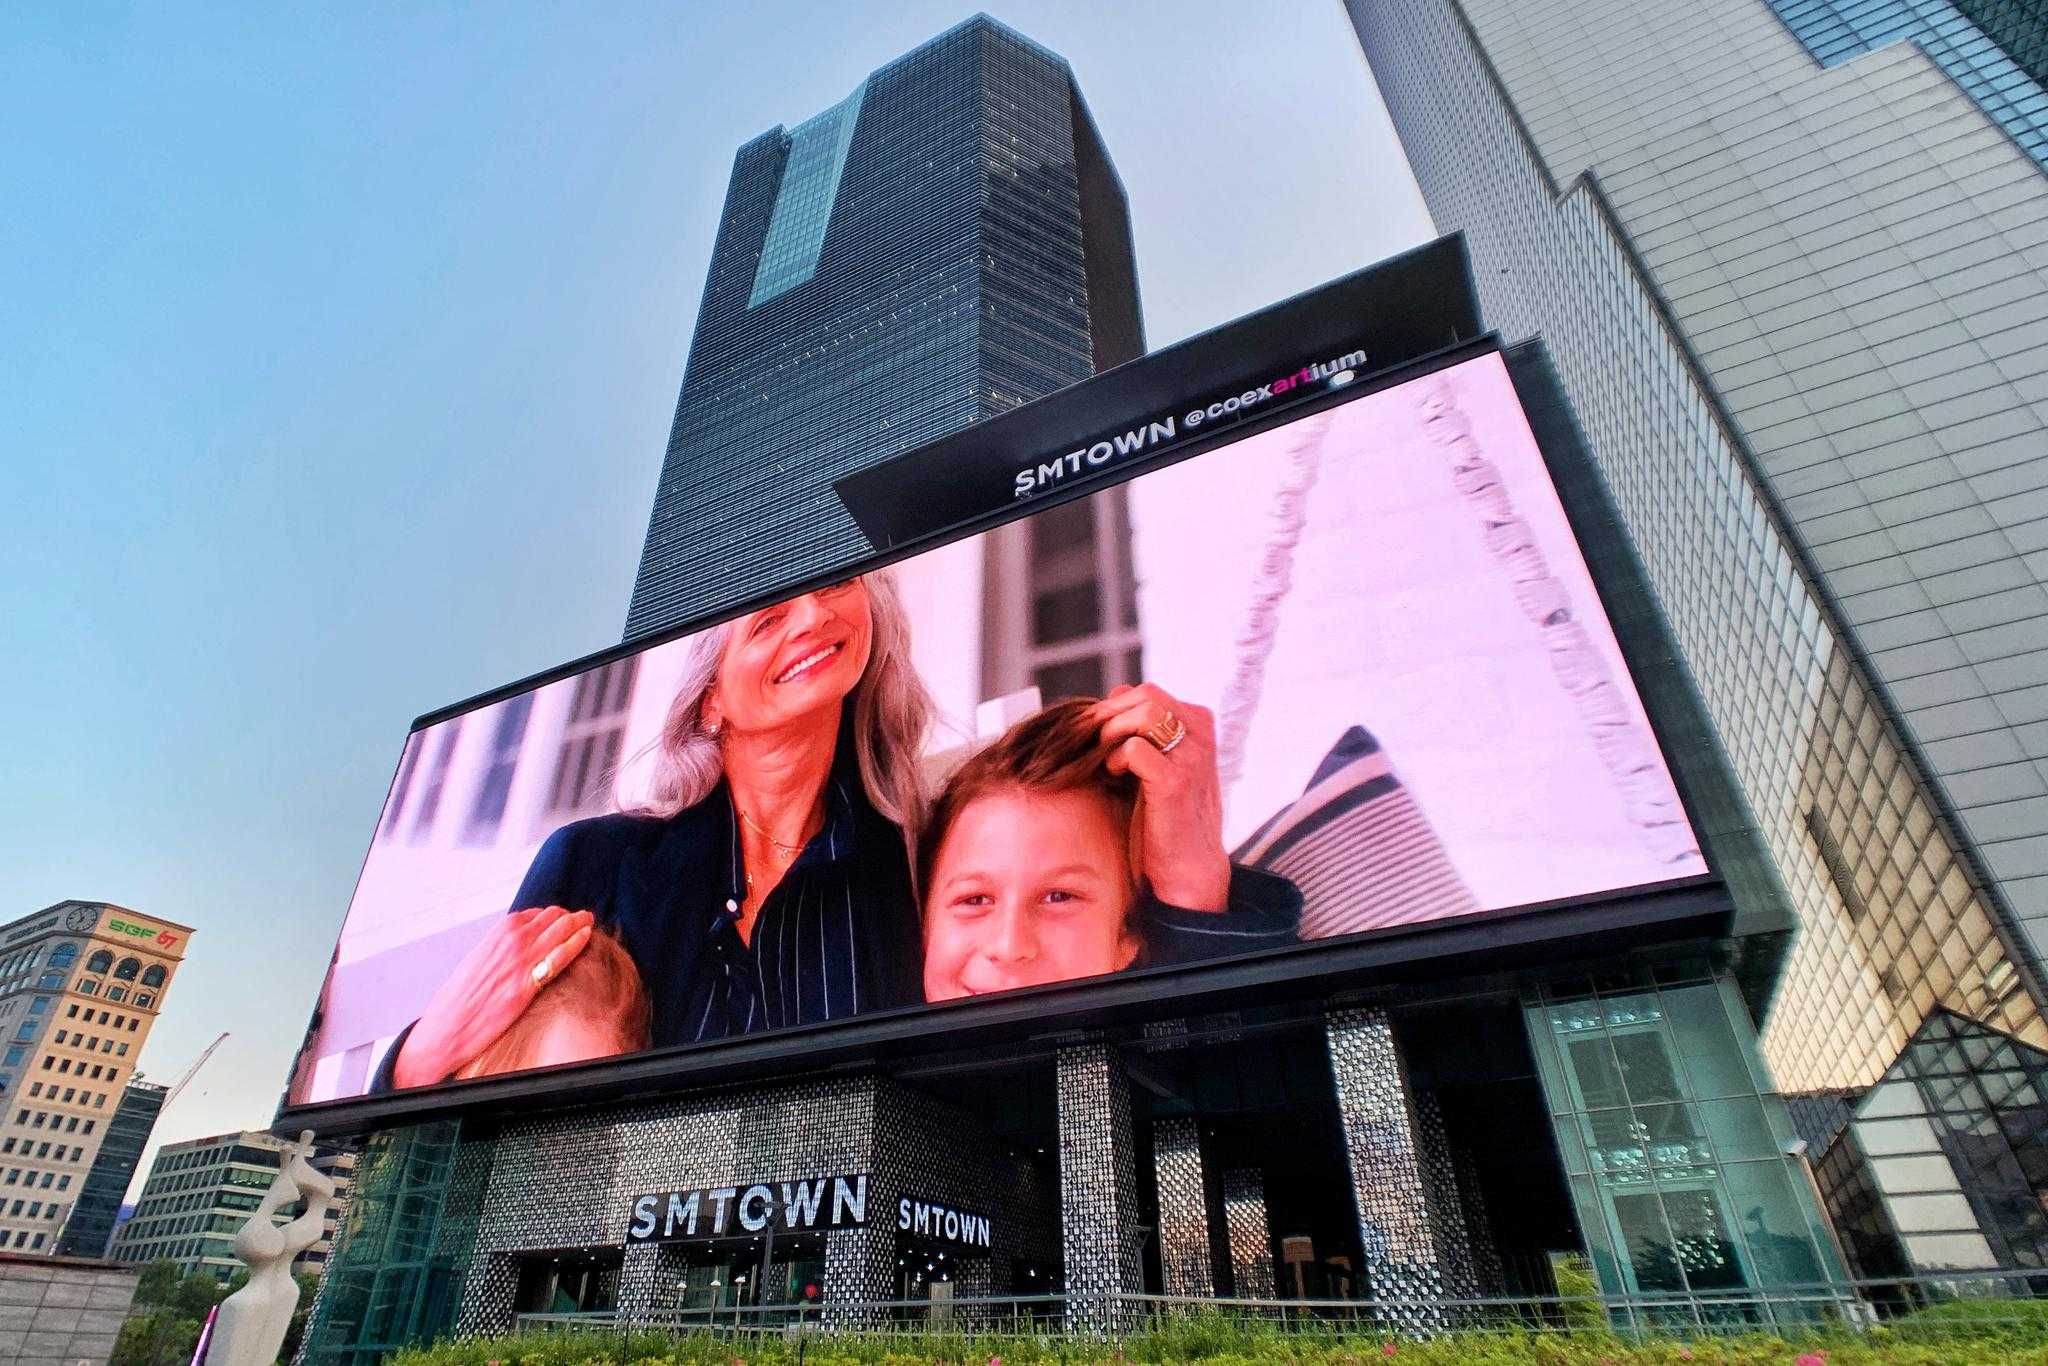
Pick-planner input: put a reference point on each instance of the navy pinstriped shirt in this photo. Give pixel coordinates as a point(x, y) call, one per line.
point(837, 936)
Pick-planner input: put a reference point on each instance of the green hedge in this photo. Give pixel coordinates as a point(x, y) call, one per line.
point(1958, 1342)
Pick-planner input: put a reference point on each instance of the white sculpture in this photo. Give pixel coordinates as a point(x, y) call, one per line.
point(250, 1327)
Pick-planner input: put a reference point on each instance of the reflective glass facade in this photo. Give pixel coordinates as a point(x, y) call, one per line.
point(1673, 1144)
point(947, 242)
point(407, 1236)
point(91, 1226)
point(2018, 26)
point(1747, 379)
point(2002, 71)
point(1941, 1164)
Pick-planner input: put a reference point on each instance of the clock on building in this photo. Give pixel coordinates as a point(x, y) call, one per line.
point(81, 918)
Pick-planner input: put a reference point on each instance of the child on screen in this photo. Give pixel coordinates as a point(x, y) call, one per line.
point(1027, 878)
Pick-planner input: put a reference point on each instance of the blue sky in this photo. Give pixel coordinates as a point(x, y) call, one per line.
point(337, 356)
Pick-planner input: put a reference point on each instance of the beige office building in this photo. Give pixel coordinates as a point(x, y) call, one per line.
point(81, 984)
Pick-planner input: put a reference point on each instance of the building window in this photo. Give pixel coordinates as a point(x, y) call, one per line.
point(117, 993)
point(437, 779)
point(1062, 602)
point(100, 962)
point(592, 736)
point(16, 1055)
point(130, 969)
point(144, 999)
point(401, 785)
point(508, 733)
point(153, 975)
point(89, 988)
point(63, 956)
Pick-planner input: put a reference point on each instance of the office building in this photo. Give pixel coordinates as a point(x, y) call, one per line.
point(90, 1229)
point(81, 985)
point(948, 241)
point(201, 1192)
point(1797, 291)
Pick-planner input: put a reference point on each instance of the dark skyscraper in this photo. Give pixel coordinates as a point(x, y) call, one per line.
point(945, 243)
point(99, 1199)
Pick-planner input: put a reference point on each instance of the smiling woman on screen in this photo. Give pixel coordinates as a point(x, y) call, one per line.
point(767, 882)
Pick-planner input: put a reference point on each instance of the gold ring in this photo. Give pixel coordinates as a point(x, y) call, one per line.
point(1166, 732)
point(543, 970)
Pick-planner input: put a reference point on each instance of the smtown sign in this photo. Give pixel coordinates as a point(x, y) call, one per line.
point(1347, 676)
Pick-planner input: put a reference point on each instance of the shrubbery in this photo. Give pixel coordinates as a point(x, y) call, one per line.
point(1952, 1336)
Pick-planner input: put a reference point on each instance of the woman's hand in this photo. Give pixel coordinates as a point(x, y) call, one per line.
point(489, 989)
point(1177, 837)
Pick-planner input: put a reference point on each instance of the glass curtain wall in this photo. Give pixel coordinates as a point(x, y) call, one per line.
point(394, 1279)
point(1944, 1164)
point(1682, 1163)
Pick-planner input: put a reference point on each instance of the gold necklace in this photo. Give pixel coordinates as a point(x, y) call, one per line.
point(792, 850)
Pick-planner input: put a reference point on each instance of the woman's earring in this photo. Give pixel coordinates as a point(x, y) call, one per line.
point(712, 729)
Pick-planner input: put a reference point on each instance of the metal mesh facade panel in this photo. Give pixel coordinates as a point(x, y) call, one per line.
point(1397, 1223)
point(1098, 1185)
point(1184, 1263)
point(1251, 1233)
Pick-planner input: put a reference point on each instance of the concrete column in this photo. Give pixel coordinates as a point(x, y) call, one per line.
point(1098, 1187)
point(1404, 1265)
point(1183, 1208)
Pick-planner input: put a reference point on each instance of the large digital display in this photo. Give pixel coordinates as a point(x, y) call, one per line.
point(1347, 676)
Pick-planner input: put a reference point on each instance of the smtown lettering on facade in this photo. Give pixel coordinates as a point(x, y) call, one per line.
point(1169, 427)
point(731, 1211)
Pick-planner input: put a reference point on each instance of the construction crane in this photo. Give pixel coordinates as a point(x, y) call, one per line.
point(182, 1082)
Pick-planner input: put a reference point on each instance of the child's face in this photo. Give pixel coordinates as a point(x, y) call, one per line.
point(1028, 888)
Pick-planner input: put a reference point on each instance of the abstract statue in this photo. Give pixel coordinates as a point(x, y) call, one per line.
point(250, 1327)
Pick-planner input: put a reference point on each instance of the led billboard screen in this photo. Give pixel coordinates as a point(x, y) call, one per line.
point(1347, 676)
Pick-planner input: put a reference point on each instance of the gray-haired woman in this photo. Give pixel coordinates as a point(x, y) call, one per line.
point(768, 882)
